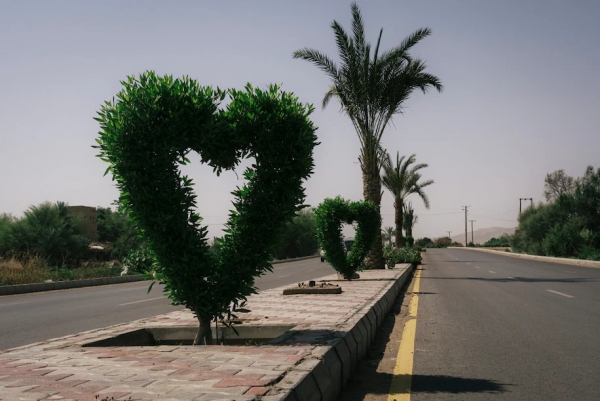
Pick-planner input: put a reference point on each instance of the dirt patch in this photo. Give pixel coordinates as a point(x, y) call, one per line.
point(373, 376)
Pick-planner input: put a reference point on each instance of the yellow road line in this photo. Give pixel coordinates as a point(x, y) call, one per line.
point(402, 380)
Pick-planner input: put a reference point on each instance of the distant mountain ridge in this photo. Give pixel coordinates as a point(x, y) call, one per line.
point(483, 235)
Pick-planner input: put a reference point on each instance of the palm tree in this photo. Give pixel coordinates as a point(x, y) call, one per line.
point(409, 219)
point(402, 180)
point(371, 88)
point(387, 234)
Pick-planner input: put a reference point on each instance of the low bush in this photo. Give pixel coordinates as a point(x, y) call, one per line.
point(502, 241)
point(138, 261)
point(394, 255)
point(34, 269)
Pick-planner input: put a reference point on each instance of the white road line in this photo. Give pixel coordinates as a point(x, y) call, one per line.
point(512, 278)
point(561, 293)
point(15, 303)
point(493, 272)
point(311, 270)
point(285, 275)
point(143, 300)
point(478, 267)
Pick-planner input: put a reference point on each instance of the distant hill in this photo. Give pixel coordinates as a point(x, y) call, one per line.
point(483, 235)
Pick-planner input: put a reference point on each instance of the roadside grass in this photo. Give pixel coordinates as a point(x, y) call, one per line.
point(36, 270)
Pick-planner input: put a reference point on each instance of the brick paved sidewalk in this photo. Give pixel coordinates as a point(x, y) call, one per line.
point(61, 369)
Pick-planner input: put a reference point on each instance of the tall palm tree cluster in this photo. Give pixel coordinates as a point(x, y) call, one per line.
point(403, 180)
point(372, 87)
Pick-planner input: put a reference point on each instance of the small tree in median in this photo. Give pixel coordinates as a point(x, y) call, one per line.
point(147, 133)
point(329, 217)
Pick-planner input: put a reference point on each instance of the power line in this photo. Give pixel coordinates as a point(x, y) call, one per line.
point(491, 218)
point(426, 214)
point(495, 215)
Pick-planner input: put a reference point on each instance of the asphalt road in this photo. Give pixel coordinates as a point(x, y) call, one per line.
point(491, 327)
point(29, 318)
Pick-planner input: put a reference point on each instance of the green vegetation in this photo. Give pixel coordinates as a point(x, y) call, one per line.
point(503, 241)
point(329, 217)
point(403, 180)
point(394, 255)
point(300, 236)
point(46, 231)
point(372, 88)
point(567, 226)
point(115, 227)
point(425, 243)
point(48, 243)
point(388, 234)
point(147, 133)
point(409, 220)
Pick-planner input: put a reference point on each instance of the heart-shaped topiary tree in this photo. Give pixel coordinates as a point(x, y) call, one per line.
point(329, 217)
point(148, 131)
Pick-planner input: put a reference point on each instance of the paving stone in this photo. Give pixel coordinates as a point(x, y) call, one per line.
point(305, 370)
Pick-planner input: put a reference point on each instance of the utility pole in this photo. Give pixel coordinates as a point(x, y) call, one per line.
point(522, 199)
point(472, 240)
point(449, 232)
point(466, 208)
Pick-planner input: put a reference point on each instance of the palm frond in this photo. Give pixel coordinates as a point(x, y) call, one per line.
point(319, 59)
point(331, 93)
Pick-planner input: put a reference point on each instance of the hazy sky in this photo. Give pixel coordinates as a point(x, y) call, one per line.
point(521, 98)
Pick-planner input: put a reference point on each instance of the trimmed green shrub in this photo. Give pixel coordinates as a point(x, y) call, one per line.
point(329, 217)
point(393, 255)
point(409, 241)
point(147, 133)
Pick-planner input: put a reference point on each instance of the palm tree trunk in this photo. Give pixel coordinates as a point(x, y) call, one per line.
point(398, 208)
point(372, 192)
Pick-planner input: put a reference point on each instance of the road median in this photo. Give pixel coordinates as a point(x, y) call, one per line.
point(324, 337)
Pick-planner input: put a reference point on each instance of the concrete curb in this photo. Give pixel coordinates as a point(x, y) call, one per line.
point(63, 285)
point(564, 261)
point(323, 376)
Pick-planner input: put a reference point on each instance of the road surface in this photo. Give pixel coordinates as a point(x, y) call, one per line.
point(491, 327)
point(29, 318)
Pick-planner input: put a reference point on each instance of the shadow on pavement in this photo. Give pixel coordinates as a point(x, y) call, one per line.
point(433, 384)
point(455, 385)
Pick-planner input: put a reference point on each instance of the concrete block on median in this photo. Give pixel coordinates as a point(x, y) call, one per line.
point(335, 368)
point(352, 348)
point(345, 357)
point(324, 382)
point(303, 385)
point(373, 321)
